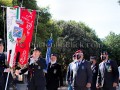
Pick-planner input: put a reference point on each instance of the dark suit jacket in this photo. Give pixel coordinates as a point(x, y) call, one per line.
point(83, 74)
point(2, 74)
point(108, 73)
point(2, 63)
point(54, 76)
point(35, 73)
point(94, 77)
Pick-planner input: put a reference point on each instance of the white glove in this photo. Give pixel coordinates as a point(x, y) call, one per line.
point(7, 70)
point(32, 61)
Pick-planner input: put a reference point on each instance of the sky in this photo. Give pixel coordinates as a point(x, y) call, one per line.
point(103, 16)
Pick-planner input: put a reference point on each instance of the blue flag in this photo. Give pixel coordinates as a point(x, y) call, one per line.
point(48, 53)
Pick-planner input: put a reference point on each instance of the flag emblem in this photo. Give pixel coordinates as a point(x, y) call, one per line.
point(17, 32)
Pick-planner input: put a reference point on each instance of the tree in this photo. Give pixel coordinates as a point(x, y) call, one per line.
point(119, 1)
point(112, 41)
point(43, 16)
point(73, 36)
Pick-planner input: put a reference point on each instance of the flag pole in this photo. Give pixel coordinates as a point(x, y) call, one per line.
point(7, 81)
point(36, 29)
point(48, 53)
point(21, 3)
point(5, 46)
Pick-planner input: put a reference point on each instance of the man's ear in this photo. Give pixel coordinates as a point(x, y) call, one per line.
point(40, 53)
point(107, 56)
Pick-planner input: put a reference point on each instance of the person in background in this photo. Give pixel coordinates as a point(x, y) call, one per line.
point(108, 74)
point(3, 67)
point(119, 78)
point(36, 76)
point(69, 75)
point(94, 67)
point(54, 77)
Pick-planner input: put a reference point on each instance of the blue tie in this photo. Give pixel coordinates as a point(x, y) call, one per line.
point(78, 63)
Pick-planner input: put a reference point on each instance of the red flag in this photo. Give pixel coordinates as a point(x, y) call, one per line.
point(26, 23)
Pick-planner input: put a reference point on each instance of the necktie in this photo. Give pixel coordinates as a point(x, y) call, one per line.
point(78, 63)
point(104, 67)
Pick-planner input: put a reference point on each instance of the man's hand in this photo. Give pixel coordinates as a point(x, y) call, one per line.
point(88, 85)
point(98, 86)
point(115, 84)
point(7, 70)
point(17, 72)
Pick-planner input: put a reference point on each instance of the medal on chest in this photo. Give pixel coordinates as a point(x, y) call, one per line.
point(39, 67)
point(83, 67)
point(54, 71)
point(109, 68)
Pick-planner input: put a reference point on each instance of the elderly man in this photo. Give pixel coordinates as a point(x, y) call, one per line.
point(54, 74)
point(108, 74)
point(82, 74)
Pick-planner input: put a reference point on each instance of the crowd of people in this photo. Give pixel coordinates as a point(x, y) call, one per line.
point(81, 74)
point(89, 75)
point(40, 76)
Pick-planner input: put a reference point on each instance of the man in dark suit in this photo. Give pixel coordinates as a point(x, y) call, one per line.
point(3, 67)
point(107, 74)
point(54, 77)
point(82, 75)
point(36, 77)
point(94, 67)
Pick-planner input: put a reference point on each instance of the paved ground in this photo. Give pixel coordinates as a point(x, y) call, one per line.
point(63, 88)
point(23, 87)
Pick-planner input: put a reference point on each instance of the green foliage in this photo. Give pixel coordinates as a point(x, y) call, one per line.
point(30, 4)
point(74, 36)
point(112, 41)
point(1, 27)
point(68, 36)
point(6, 2)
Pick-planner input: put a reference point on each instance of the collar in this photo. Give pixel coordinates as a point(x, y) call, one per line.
point(53, 62)
point(106, 61)
point(1, 52)
point(82, 61)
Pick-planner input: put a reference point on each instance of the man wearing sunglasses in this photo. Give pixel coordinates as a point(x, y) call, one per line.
point(108, 73)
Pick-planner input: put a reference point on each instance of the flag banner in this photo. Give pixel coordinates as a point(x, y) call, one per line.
point(24, 32)
point(11, 40)
point(20, 26)
point(48, 53)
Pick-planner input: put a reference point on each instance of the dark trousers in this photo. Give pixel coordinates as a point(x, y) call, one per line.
point(36, 88)
point(32, 86)
point(108, 88)
point(80, 88)
point(1, 87)
point(52, 88)
point(1, 83)
point(93, 87)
